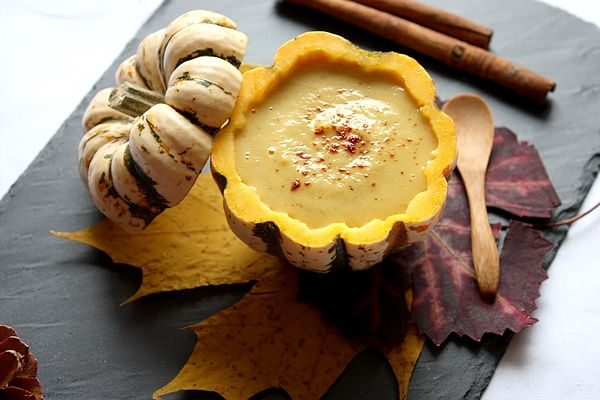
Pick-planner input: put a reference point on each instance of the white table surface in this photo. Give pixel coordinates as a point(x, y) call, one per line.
point(558, 358)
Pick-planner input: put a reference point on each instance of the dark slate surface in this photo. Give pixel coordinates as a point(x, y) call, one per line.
point(64, 297)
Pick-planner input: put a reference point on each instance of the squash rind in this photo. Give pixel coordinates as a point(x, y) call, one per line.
point(321, 249)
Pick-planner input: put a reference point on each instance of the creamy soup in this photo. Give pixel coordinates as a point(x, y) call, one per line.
point(335, 144)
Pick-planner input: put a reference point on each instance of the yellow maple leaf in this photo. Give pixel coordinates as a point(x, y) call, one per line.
point(403, 355)
point(271, 339)
point(185, 247)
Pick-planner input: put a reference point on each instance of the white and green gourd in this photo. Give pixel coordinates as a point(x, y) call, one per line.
point(147, 141)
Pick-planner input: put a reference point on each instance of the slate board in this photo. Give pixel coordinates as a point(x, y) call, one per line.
point(64, 297)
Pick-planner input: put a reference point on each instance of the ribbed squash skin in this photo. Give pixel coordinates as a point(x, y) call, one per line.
point(136, 168)
point(335, 245)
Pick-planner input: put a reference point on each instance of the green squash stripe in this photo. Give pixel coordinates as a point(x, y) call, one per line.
point(209, 52)
point(115, 119)
point(145, 183)
point(155, 135)
point(141, 212)
point(137, 68)
point(211, 130)
point(163, 48)
point(136, 211)
point(85, 142)
point(341, 255)
point(270, 235)
point(220, 180)
point(203, 82)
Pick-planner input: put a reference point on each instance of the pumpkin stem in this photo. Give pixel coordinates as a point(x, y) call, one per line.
point(133, 100)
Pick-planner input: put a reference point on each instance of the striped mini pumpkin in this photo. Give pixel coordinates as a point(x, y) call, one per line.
point(137, 167)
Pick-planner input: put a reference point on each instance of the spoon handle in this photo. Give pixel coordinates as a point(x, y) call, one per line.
point(483, 243)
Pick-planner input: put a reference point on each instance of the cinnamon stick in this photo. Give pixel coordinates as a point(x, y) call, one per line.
point(437, 19)
point(446, 49)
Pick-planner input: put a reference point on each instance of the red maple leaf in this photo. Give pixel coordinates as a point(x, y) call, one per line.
point(516, 179)
point(446, 298)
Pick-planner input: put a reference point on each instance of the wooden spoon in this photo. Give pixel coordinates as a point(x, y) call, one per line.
point(475, 136)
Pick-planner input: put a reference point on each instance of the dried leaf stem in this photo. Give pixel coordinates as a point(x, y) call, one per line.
point(566, 221)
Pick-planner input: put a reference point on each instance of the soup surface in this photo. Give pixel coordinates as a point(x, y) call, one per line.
point(335, 144)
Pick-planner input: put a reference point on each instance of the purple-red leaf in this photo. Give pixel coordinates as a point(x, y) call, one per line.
point(446, 298)
point(516, 179)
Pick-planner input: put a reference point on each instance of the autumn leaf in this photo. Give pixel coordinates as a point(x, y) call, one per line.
point(185, 247)
point(270, 339)
point(446, 296)
point(403, 356)
point(516, 180)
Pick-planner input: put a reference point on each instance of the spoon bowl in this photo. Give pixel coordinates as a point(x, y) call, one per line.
point(475, 136)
